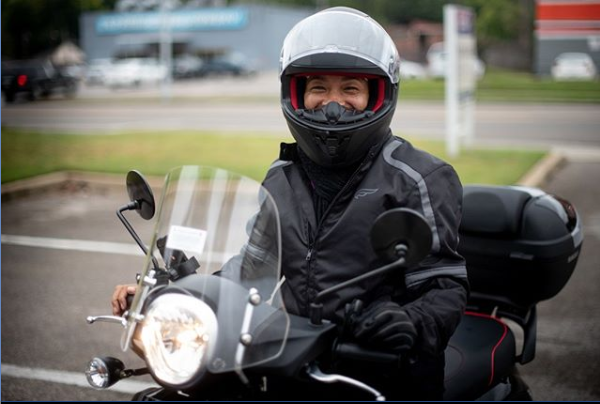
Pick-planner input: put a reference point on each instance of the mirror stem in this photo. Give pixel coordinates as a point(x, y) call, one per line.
point(316, 308)
point(131, 206)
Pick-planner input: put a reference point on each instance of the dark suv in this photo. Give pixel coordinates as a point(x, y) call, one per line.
point(234, 64)
point(34, 79)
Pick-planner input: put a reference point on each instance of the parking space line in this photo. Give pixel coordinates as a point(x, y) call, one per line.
point(70, 378)
point(68, 244)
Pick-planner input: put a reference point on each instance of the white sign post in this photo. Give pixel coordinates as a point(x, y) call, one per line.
point(461, 80)
point(166, 50)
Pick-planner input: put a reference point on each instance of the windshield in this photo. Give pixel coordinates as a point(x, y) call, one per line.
point(226, 227)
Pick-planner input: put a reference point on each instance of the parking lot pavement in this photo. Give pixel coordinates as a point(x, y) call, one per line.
point(63, 250)
point(567, 363)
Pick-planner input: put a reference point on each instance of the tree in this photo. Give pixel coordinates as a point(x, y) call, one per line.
point(30, 27)
point(384, 11)
point(497, 20)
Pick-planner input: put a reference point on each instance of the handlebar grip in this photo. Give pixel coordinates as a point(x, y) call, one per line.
point(129, 300)
point(348, 350)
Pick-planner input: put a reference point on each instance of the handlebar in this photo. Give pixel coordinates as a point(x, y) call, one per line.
point(348, 350)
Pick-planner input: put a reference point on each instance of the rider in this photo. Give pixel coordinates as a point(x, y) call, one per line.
point(339, 73)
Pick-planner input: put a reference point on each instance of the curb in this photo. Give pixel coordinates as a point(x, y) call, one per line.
point(69, 180)
point(539, 174)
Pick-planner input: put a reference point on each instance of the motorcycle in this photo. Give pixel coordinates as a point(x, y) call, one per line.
point(208, 317)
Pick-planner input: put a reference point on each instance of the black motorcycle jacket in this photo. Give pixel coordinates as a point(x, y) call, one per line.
point(319, 255)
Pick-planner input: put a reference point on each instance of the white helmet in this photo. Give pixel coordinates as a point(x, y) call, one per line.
point(339, 41)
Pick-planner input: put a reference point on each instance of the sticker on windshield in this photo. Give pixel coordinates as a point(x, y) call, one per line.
point(186, 239)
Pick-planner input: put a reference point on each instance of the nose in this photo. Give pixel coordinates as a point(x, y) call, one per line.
point(334, 97)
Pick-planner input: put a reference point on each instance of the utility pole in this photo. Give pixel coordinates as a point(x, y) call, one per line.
point(166, 49)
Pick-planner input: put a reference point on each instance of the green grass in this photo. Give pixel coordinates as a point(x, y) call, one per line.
point(508, 86)
point(26, 154)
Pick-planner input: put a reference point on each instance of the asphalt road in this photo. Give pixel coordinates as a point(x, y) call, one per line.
point(215, 105)
point(64, 250)
point(48, 291)
point(567, 362)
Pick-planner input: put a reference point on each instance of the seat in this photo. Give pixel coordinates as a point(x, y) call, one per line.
point(480, 354)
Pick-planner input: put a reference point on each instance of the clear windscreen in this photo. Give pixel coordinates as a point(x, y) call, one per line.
point(226, 228)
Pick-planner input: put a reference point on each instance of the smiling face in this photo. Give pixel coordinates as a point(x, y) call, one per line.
point(350, 92)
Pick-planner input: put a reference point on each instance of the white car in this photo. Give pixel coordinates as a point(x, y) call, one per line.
point(436, 62)
point(412, 70)
point(574, 65)
point(134, 72)
point(97, 70)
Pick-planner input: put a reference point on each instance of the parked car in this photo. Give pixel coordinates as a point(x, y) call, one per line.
point(232, 64)
point(436, 62)
point(97, 70)
point(134, 72)
point(574, 65)
point(185, 66)
point(34, 79)
point(412, 70)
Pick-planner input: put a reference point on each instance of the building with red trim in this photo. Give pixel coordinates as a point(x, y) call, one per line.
point(566, 26)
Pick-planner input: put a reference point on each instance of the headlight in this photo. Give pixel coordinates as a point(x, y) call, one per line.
point(104, 372)
point(178, 334)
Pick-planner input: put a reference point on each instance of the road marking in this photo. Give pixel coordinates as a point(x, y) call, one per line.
point(70, 378)
point(67, 244)
point(96, 246)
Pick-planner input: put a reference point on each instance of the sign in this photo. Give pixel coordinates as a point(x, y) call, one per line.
point(186, 239)
point(184, 20)
point(461, 76)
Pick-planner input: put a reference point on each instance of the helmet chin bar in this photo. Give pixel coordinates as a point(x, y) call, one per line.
point(333, 144)
point(342, 142)
point(333, 114)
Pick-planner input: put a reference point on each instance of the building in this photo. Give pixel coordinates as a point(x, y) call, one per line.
point(566, 26)
point(414, 40)
point(255, 32)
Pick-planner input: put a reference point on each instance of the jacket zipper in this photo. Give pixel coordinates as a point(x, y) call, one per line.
point(349, 183)
point(308, 257)
point(309, 254)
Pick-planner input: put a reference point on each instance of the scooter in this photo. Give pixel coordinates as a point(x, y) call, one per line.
point(208, 317)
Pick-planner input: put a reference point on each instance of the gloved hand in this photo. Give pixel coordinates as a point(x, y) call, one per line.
point(386, 326)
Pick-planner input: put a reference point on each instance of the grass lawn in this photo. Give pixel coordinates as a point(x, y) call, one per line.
point(26, 154)
point(508, 86)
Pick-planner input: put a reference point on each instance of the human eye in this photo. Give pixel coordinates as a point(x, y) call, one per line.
point(351, 89)
point(316, 88)
point(353, 85)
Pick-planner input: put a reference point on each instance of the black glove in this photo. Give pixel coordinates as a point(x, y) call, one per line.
point(386, 326)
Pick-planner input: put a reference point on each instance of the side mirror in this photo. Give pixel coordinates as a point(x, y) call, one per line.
point(401, 232)
point(140, 192)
